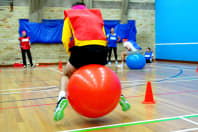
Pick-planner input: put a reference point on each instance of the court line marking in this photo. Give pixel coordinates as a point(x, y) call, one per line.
point(43, 90)
point(141, 82)
point(148, 71)
point(163, 79)
point(169, 81)
point(29, 88)
point(136, 84)
point(22, 69)
point(62, 72)
point(159, 94)
point(187, 130)
point(9, 101)
point(172, 67)
point(124, 84)
point(166, 81)
point(184, 77)
point(157, 81)
point(130, 123)
point(173, 76)
point(180, 67)
point(53, 69)
point(192, 67)
point(59, 71)
point(27, 106)
point(168, 93)
point(51, 87)
point(193, 122)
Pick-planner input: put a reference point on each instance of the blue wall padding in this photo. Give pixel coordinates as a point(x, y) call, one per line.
point(186, 52)
point(127, 31)
point(50, 31)
point(176, 30)
point(176, 21)
point(108, 24)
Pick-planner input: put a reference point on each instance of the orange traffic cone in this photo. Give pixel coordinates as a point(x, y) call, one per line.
point(60, 65)
point(197, 69)
point(149, 95)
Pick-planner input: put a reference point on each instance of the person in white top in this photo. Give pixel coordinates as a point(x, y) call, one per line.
point(132, 48)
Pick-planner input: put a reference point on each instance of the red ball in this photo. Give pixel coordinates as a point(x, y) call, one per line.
point(94, 90)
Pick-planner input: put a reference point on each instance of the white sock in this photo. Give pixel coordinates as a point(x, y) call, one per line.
point(61, 94)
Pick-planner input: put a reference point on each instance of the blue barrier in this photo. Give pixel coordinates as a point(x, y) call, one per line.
point(50, 31)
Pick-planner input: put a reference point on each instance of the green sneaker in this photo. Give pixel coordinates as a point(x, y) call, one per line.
point(124, 103)
point(59, 112)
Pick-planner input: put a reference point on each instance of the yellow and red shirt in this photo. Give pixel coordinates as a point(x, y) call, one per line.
point(85, 25)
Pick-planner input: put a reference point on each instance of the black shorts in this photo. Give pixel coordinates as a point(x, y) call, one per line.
point(92, 54)
point(148, 61)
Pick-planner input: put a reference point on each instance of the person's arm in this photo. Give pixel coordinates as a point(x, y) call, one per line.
point(66, 34)
point(118, 39)
point(126, 46)
point(103, 29)
point(19, 42)
point(107, 36)
point(29, 41)
point(153, 57)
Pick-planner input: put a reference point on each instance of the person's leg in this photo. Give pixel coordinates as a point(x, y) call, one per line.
point(62, 98)
point(139, 51)
point(23, 57)
point(68, 71)
point(98, 56)
point(115, 54)
point(29, 57)
point(123, 55)
point(148, 60)
point(124, 103)
point(109, 55)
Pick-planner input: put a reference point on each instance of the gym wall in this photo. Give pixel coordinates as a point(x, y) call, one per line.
point(143, 11)
point(176, 30)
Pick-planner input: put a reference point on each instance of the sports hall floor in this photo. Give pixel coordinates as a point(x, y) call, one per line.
point(28, 98)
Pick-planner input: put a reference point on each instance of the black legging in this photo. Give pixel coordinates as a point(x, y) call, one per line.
point(24, 57)
point(115, 53)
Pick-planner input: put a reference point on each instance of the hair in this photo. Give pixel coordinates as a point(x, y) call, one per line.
point(113, 29)
point(149, 48)
point(78, 3)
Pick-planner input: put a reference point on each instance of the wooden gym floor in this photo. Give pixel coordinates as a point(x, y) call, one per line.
point(28, 98)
